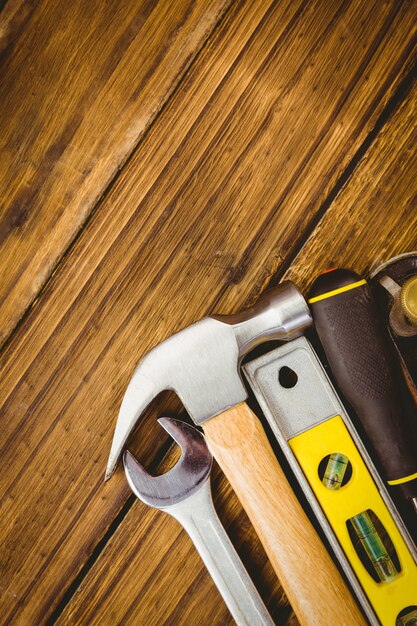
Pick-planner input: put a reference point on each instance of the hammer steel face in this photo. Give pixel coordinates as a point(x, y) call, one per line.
point(201, 362)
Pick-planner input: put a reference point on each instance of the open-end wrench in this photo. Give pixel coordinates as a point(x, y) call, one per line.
point(184, 492)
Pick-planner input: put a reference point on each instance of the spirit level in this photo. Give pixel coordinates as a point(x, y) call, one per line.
point(311, 425)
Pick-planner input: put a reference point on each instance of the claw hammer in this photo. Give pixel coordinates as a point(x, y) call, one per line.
point(201, 364)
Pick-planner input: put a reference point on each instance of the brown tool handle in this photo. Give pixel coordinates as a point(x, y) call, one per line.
point(314, 586)
point(366, 370)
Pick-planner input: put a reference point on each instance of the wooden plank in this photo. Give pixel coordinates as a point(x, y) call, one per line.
point(151, 548)
point(80, 84)
point(362, 215)
point(217, 195)
point(37, 608)
point(374, 217)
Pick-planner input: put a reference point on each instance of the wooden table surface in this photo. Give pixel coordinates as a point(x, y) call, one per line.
point(161, 161)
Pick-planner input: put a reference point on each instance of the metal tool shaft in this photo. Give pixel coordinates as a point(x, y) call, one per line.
point(184, 493)
point(199, 518)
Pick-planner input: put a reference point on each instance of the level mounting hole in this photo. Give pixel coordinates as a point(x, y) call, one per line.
point(287, 377)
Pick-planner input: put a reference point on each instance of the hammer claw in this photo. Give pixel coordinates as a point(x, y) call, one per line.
point(201, 362)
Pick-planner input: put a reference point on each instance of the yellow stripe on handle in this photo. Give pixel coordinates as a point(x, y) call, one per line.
point(399, 481)
point(335, 292)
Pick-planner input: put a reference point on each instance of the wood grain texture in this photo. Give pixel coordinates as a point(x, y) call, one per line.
point(305, 569)
point(262, 138)
point(80, 84)
point(171, 584)
point(374, 216)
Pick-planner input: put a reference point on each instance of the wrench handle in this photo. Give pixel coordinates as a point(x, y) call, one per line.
point(308, 575)
point(198, 517)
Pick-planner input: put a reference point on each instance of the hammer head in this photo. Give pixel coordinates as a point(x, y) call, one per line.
point(201, 362)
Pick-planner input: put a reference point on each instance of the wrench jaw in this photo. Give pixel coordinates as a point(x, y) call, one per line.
point(191, 471)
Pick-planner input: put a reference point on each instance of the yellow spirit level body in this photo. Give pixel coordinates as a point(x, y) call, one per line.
point(310, 424)
point(359, 494)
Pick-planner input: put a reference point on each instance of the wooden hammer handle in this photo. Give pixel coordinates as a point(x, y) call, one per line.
point(314, 586)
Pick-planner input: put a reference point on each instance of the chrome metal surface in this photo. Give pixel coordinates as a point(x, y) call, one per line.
point(201, 362)
point(184, 492)
point(188, 474)
point(391, 261)
point(414, 503)
point(398, 322)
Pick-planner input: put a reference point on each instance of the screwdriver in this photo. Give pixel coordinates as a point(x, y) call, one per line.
point(365, 368)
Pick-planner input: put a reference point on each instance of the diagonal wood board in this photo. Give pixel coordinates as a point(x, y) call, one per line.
point(266, 140)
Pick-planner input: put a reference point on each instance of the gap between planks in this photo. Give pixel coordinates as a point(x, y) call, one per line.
point(66, 251)
point(391, 107)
